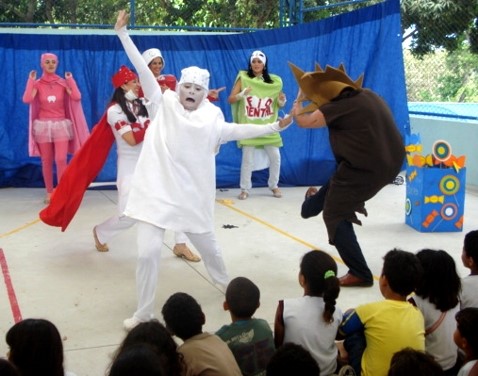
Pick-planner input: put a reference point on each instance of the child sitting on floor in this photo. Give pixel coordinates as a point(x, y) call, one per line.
point(158, 338)
point(373, 332)
point(469, 294)
point(312, 320)
point(204, 353)
point(292, 359)
point(437, 298)
point(412, 362)
point(36, 348)
point(249, 339)
point(466, 338)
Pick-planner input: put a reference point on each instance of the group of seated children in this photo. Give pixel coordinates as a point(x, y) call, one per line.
point(426, 325)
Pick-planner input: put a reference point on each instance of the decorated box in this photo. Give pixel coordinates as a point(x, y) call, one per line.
point(435, 199)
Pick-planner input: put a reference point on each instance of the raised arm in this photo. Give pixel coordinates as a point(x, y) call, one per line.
point(72, 87)
point(151, 89)
point(30, 90)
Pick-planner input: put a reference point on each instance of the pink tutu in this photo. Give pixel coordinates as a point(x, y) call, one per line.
point(52, 130)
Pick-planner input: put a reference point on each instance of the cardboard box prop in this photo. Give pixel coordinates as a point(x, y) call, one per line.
point(435, 191)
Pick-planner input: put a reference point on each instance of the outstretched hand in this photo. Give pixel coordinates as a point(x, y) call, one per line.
point(214, 93)
point(286, 121)
point(122, 19)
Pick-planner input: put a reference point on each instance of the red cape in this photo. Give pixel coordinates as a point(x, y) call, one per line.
point(85, 165)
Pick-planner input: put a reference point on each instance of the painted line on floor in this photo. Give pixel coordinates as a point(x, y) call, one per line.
point(18, 229)
point(12, 297)
point(17, 315)
point(230, 204)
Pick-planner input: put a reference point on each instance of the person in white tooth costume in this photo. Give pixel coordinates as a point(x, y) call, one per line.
point(175, 179)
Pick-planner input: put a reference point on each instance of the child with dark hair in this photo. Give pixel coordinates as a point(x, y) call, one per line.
point(204, 353)
point(437, 297)
point(292, 359)
point(312, 320)
point(157, 337)
point(139, 359)
point(469, 294)
point(373, 332)
point(466, 338)
point(7, 368)
point(36, 348)
point(412, 362)
point(250, 339)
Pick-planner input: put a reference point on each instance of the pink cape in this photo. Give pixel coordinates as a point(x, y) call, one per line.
point(74, 112)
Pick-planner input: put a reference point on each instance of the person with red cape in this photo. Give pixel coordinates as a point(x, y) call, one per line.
point(125, 122)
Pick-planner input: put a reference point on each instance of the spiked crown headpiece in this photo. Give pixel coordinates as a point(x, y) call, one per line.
point(321, 86)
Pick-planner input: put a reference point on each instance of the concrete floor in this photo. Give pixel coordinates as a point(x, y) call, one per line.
point(87, 294)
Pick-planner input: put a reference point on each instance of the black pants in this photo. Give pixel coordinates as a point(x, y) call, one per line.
point(345, 239)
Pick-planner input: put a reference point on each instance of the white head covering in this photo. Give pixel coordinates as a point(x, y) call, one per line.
point(259, 55)
point(195, 75)
point(151, 54)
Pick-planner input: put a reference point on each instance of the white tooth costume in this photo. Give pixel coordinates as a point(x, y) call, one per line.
point(174, 183)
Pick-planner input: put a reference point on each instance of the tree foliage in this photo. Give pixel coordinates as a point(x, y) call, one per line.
point(192, 13)
point(427, 24)
point(442, 35)
point(432, 24)
point(61, 11)
point(442, 76)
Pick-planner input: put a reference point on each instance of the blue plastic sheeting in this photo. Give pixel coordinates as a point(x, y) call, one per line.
point(367, 40)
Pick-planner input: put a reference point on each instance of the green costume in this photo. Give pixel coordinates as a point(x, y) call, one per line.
point(260, 106)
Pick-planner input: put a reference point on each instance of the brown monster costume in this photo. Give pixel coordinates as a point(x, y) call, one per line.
point(369, 152)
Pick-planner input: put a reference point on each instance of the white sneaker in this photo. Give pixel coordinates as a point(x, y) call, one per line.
point(346, 371)
point(130, 323)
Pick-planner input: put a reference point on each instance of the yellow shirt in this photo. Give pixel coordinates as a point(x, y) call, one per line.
point(390, 325)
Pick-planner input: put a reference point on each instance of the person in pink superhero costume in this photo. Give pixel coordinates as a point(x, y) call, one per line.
point(57, 125)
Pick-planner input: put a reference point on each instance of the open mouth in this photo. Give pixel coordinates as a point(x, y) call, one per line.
point(192, 100)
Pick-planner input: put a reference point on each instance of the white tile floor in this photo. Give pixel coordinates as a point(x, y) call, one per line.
point(87, 294)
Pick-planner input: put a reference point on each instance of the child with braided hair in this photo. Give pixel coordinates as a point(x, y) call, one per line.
point(312, 320)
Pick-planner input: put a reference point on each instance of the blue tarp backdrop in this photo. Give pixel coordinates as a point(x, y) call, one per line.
point(366, 41)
